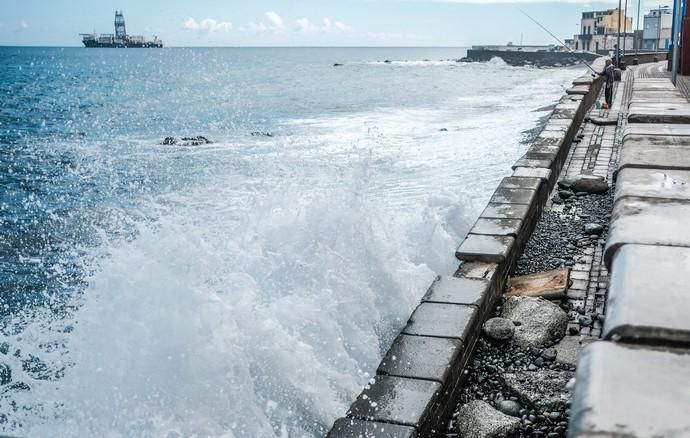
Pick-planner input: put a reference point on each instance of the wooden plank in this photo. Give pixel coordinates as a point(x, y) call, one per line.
point(550, 285)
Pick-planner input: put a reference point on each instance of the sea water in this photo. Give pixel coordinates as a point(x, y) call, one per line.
point(248, 287)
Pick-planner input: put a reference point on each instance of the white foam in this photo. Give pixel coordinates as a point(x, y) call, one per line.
point(261, 299)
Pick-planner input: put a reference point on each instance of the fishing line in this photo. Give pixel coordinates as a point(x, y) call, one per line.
point(557, 39)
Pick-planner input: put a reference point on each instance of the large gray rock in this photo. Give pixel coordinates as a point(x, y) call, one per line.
point(590, 184)
point(542, 389)
point(477, 419)
point(541, 322)
point(500, 329)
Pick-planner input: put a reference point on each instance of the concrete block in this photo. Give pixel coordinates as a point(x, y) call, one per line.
point(675, 98)
point(652, 152)
point(442, 320)
point(512, 182)
point(578, 89)
point(647, 221)
point(505, 211)
point(497, 227)
point(513, 196)
point(630, 392)
point(353, 428)
point(397, 400)
point(649, 299)
point(563, 113)
point(477, 247)
point(657, 113)
point(532, 172)
point(454, 290)
point(651, 130)
point(527, 162)
point(653, 183)
point(584, 80)
point(423, 357)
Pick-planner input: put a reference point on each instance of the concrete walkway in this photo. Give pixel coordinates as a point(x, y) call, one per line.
point(637, 383)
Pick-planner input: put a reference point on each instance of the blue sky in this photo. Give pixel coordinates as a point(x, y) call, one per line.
point(297, 22)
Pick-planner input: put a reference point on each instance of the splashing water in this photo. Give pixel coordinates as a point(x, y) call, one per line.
point(248, 287)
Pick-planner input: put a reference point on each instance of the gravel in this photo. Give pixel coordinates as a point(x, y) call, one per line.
point(559, 239)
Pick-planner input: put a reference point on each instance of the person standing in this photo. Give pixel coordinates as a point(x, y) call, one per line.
point(609, 78)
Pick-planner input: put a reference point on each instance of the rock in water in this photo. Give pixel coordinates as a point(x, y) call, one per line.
point(591, 229)
point(542, 322)
point(477, 419)
point(590, 184)
point(169, 140)
point(500, 329)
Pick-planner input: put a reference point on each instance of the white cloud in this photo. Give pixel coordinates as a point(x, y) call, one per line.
point(305, 27)
point(207, 25)
point(23, 24)
point(275, 20)
point(257, 27)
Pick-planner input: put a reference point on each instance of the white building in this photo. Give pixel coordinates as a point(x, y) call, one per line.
point(657, 29)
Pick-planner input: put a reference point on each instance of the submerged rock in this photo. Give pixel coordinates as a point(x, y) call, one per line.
point(542, 322)
point(500, 329)
point(477, 419)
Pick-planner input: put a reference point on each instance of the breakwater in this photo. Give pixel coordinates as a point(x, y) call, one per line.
point(418, 381)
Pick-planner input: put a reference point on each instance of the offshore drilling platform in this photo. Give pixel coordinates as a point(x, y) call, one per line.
point(119, 39)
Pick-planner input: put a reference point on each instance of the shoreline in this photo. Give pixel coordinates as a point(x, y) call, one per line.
point(420, 379)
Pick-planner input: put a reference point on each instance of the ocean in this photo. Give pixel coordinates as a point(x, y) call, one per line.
point(247, 287)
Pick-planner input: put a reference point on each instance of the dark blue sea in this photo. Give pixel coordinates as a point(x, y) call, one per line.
point(242, 288)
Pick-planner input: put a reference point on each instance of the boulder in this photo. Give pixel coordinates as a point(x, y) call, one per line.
point(541, 322)
point(477, 419)
point(500, 329)
point(590, 184)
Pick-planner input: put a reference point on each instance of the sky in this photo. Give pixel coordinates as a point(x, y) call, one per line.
point(300, 22)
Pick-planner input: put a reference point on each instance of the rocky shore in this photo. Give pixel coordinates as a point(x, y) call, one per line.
point(522, 374)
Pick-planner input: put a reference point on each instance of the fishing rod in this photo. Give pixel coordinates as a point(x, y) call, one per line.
point(557, 39)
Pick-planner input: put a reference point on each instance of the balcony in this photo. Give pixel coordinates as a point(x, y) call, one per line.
point(585, 36)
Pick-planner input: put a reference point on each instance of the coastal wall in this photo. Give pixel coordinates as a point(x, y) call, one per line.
point(418, 382)
point(518, 58)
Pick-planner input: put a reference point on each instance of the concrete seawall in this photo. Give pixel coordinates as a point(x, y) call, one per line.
point(419, 379)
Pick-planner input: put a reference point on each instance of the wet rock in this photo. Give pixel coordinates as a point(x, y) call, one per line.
point(186, 141)
point(549, 354)
point(543, 322)
point(565, 184)
point(443, 130)
point(337, 64)
point(500, 329)
point(195, 141)
point(565, 194)
point(543, 389)
point(509, 407)
point(477, 419)
point(593, 229)
point(590, 184)
point(5, 374)
point(557, 199)
point(261, 134)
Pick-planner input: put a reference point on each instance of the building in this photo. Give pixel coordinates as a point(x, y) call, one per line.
point(599, 31)
point(657, 29)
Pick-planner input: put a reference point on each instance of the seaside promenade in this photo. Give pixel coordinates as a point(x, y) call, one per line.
point(604, 196)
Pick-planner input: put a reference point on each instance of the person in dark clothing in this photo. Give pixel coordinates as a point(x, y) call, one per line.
point(608, 88)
